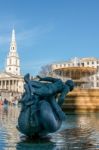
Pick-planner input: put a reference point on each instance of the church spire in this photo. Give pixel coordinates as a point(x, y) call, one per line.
point(13, 35)
point(13, 47)
point(13, 61)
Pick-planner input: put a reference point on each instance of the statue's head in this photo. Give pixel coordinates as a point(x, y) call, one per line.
point(71, 84)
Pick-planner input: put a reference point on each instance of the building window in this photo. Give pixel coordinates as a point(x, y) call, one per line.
point(92, 84)
point(9, 68)
point(98, 62)
point(78, 64)
point(97, 84)
point(82, 64)
point(92, 62)
point(12, 48)
point(16, 68)
point(97, 68)
point(87, 63)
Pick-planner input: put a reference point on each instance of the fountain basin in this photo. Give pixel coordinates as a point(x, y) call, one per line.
point(82, 100)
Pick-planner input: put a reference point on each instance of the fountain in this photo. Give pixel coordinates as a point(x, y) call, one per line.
point(82, 99)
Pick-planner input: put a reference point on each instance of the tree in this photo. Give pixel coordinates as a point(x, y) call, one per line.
point(46, 70)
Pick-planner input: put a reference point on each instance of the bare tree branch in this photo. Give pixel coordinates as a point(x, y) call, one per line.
point(46, 70)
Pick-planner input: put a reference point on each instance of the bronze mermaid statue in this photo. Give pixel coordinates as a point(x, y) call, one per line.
point(41, 103)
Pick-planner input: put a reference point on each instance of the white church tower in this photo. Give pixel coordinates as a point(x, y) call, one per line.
point(13, 61)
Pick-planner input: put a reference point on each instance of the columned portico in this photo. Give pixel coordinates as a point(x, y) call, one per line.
point(12, 85)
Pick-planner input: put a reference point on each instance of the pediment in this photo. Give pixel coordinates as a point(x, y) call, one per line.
point(4, 75)
point(8, 75)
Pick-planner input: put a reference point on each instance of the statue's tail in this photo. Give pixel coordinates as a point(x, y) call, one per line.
point(24, 122)
point(58, 110)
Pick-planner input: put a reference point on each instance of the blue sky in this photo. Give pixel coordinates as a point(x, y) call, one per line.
point(49, 31)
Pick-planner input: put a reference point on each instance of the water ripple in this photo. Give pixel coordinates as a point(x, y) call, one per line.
point(79, 132)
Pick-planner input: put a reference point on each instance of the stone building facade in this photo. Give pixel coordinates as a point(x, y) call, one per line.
point(11, 80)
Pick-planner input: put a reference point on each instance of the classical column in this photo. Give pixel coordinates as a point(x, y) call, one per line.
point(15, 84)
point(5, 85)
point(13, 87)
point(9, 85)
point(1, 84)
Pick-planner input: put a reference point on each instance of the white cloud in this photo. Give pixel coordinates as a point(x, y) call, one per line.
point(26, 36)
point(34, 34)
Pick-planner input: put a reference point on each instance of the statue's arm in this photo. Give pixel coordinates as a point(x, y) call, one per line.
point(49, 79)
point(26, 94)
point(62, 96)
